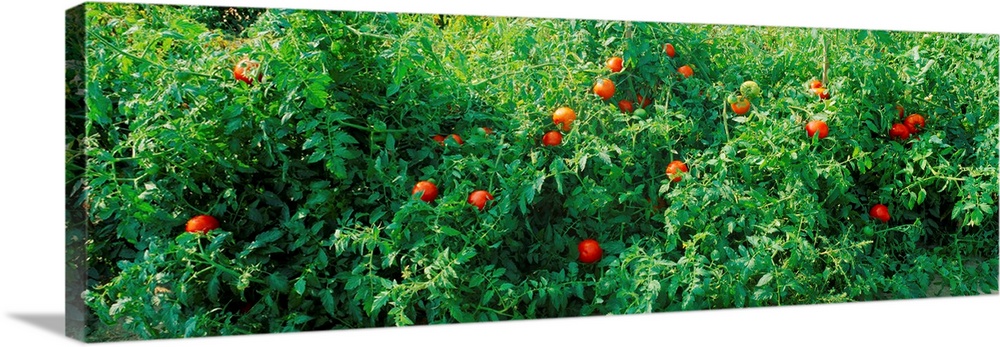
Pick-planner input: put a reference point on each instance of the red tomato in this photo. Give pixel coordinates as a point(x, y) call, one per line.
point(823, 93)
point(900, 109)
point(590, 251)
point(880, 212)
point(479, 198)
point(201, 224)
point(669, 48)
point(741, 107)
point(614, 64)
point(430, 191)
point(643, 102)
point(685, 70)
point(604, 88)
point(815, 84)
point(899, 132)
point(564, 116)
point(245, 69)
point(439, 139)
point(674, 169)
point(552, 138)
point(625, 106)
point(914, 123)
point(817, 127)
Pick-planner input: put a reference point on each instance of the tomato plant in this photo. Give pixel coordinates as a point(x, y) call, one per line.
point(564, 116)
point(604, 88)
point(669, 49)
point(589, 251)
point(552, 138)
point(428, 190)
point(750, 89)
point(479, 198)
point(818, 128)
point(674, 170)
point(686, 71)
point(914, 123)
point(339, 213)
point(625, 106)
point(741, 106)
point(880, 212)
point(246, 69)
point(201, 224)
point(643, 101)
point(899, 132)
point(614, 64)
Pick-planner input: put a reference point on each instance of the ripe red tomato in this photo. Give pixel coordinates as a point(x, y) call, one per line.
point(486, 130)
point(674, 169)
point(669, 48)
point(201, 224)
point(590, 251)
point(440, 139)
point(625, 106)
point(914, 123)
point(815, 84)
point(685, 70)
point(817, 127)
point(643, 102)
point(899, 132)
point(741, 107)
point(614, 64)
point(900, 109)
point(479, 198)
point(245, 69)
point(430, 191)
point(822, 92)
point(604, 88)
point(552, 138)
point(880, 212)
point(565, 116)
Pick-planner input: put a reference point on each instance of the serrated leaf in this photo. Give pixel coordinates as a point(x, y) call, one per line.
point(380, 300)
point(329, 303)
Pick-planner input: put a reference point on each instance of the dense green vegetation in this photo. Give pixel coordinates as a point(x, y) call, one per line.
point(310, 169)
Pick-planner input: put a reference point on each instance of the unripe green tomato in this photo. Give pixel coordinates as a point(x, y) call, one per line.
point(750, 89)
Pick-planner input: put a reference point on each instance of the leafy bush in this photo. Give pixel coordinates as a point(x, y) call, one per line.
point(310, 170)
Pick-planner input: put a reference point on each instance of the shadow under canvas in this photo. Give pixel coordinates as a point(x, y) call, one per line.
point(53, 322)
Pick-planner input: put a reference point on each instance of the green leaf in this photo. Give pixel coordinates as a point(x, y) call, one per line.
point(329, 303)
point(267, 237)
point(316, 94)
point(764, 280)
point(300, 285)
point(213, 288)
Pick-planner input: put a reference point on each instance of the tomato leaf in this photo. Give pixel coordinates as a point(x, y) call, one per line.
point(764, 280)
point(300, 285)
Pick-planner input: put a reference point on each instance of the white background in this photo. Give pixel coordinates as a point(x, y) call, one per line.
point(32, 169)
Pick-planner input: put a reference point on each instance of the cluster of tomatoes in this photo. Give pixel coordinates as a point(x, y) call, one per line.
point(910, 125)
point(427, 191)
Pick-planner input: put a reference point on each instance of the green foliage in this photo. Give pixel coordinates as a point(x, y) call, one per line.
point(310, 170)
